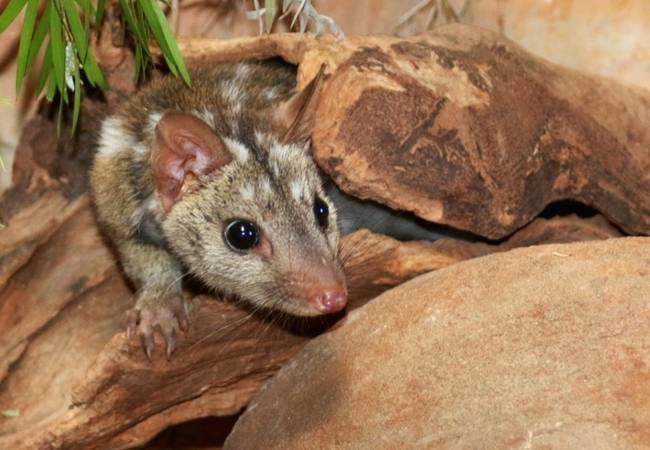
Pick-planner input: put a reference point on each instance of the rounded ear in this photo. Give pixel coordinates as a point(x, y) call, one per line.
point(184, 146)
point(296, 115)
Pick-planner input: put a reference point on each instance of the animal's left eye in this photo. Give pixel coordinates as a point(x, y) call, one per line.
point(241, 235)
point(321, 212)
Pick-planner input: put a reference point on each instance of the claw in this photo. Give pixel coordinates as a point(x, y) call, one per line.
point(181, 313)
point(171, 344)
point(184, 324)
point(168, 317)
point(147, 344)
point(132, 319)
point(168, 328)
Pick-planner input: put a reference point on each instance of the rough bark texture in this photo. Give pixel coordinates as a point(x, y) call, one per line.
point(544, 347)
point(64, 361)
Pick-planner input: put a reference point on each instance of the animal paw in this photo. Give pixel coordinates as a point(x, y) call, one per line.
point(167, 314)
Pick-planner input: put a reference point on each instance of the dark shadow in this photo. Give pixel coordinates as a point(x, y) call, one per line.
point(566, 208)
point(207, 432)
point(354, 214)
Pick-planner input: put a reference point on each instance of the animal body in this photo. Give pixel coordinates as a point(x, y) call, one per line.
point(216, 180)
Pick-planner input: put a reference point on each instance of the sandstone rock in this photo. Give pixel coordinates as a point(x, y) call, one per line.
point(374, 263)
point(464, 128)
point(544, 347)
point(565, 31)
point(70, 318)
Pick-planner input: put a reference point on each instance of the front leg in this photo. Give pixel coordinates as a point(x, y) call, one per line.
point(159, 300)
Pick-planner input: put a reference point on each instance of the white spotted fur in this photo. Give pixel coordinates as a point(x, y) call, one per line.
point(296, 187)
point(238, 150)
point(205, 115)
point(247, 191)
point(265, 185)
point(154, 118)
point(114, 138)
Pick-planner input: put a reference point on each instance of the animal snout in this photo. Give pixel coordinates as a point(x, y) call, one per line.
point(331, 301)
point(321, 290)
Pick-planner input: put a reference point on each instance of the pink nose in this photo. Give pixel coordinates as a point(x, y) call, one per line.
point(331, 302)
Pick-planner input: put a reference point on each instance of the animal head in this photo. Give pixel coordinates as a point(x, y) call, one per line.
point(254, 222)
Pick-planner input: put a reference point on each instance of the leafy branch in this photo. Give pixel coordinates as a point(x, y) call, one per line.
point(302, 11)
point(60, 31)
point(145, 19)
point(64, 29)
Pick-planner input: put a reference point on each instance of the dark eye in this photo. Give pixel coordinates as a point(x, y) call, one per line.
point(321, 212)
point(241, 234)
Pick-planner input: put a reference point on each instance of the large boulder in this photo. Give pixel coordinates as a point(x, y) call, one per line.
point(105, 395)
point(543, 347)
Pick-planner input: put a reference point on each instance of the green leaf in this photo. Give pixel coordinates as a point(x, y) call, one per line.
point(93, 72)
point(149, 15)
point(9, 14)
point(134, 26)
point(77, 29)
point(86, 7)
point(99, 14)
point(141, 20)
point(140, 62)
point(163, 35)
point(46, 69)
point(77, 100)
point(51, 89)
point(136, 23)
point(39, 37)
point(59, 116)
point(80, 35)
point(25, 40)
point(58, 52)
point(89, 13)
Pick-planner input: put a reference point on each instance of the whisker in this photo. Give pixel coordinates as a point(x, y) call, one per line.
point(176, 280)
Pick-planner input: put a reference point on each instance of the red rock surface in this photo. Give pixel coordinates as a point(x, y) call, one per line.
point(63, 296)
point(463, 127)
point(544, 347)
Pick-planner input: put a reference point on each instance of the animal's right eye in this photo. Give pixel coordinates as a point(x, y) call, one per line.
point(241, 235)
point(321, 212)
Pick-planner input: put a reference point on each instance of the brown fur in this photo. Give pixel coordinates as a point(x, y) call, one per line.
point(270, 182)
